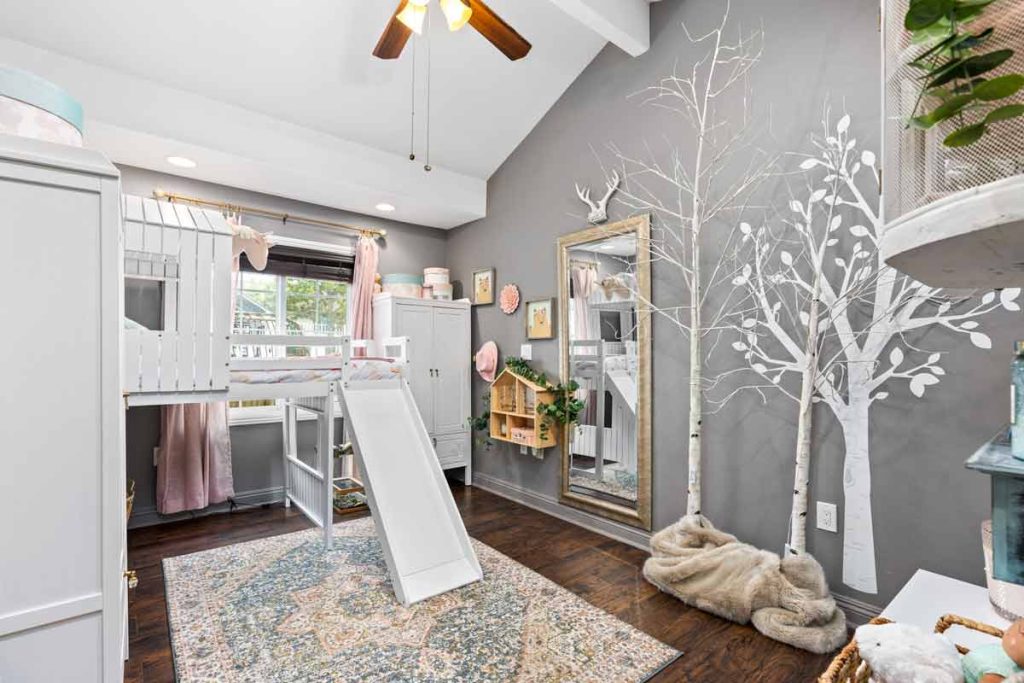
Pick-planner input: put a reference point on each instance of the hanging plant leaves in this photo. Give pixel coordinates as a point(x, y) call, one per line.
point(966, 41)
point(965, 14)
point(1003, 113)
point(942, 69)
point(965, 136)
point(969, 41)
point(966, 87)
point(947, 109)
point(973, 66)
point(998, 88)
point(924, 13)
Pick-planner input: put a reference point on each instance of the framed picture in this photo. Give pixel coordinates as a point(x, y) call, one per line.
point(483, 286)
point(540, 319)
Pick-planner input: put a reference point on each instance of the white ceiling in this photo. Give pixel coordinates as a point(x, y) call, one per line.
point(284, 97)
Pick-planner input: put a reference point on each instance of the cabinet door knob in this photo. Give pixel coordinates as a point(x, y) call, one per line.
point(131, 577)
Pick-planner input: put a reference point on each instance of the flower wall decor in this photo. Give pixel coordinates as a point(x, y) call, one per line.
point(509, 299)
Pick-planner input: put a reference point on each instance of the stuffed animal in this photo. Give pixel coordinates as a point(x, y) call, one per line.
point(998, 662)
point(899, 653)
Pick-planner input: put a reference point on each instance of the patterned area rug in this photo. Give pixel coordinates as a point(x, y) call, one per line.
point(282, 609)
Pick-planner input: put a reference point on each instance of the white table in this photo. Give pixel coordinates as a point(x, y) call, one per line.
point(928, 596)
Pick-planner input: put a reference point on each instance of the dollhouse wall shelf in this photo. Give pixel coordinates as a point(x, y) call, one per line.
point(514, 416)
point(973, 238)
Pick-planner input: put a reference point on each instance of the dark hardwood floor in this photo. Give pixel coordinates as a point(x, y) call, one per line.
point(604, 572)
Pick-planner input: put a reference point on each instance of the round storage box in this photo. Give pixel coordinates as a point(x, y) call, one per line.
point(442, 292)
point(32, 107)
point(403, 284)
point(435, 276)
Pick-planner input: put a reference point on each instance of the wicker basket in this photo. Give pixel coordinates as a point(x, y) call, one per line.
point(848, 667)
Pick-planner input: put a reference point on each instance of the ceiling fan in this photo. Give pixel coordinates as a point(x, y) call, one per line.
point(409, 15)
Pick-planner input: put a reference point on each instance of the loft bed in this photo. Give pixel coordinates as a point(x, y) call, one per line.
point(183, 255)
point(608, 369)
point(186, 357)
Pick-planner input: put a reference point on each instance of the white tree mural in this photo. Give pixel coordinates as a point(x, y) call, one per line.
point(834, 320)
point(695, 193)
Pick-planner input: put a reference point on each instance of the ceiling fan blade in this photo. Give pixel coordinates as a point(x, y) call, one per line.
point(394, 38)
point(493, 28)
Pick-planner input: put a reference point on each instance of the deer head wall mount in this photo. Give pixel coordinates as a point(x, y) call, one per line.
point(599, 211)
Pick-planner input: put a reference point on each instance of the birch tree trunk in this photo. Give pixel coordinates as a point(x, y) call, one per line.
point(858, 529)
point(801, 472)
point(693, 494)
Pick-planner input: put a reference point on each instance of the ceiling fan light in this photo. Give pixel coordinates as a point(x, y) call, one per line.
point(413, 14)
point(456, 12)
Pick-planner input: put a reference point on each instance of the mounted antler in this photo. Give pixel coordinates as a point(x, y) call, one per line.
point(599, 212)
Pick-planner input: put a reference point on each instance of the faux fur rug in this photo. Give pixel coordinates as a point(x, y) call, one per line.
point(284, 609)
point(786, 599)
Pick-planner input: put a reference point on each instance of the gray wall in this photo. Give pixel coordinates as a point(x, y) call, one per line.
point(927, 507)
point(256, 449)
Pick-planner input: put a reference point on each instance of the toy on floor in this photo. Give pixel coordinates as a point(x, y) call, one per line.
point(999, 662)
point(899, 653)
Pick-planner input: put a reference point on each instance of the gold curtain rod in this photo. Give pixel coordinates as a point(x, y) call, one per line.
point(266, 213)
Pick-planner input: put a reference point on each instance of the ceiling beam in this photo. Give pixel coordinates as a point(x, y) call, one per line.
point(626, 23)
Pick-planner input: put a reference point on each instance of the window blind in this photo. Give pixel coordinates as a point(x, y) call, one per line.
point(299, 262)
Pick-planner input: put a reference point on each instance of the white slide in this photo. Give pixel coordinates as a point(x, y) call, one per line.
point(624, 387)
point(425, 543)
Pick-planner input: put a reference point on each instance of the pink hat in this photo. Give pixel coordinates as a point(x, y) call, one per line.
point(487, 361)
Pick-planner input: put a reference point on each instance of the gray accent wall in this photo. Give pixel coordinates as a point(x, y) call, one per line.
point(927, 507)
point(256, 448)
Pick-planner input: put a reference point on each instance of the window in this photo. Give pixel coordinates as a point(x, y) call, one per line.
point(266, 303)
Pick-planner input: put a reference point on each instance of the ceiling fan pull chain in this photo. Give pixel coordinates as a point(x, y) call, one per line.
point(427, 167)
point(412, 107)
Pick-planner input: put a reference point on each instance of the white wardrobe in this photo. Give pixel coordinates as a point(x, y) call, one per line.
point(441, 359)
point(63, 596)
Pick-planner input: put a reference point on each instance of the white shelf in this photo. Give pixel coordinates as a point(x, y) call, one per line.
point(928, 596)
point(970, 239)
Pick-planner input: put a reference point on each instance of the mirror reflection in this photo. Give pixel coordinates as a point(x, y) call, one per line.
point(602, 359)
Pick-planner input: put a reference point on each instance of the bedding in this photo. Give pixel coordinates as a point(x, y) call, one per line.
point(619, 363)
point(365, 369)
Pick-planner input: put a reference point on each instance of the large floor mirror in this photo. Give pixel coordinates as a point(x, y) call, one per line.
point(604, 286)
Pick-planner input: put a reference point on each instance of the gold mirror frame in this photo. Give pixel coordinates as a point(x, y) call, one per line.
point(641, 226)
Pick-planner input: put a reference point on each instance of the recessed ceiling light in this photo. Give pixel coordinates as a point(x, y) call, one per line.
point(384, 206)
point(181, 162)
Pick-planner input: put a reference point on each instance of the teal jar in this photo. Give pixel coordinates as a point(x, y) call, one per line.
point(1017, 394)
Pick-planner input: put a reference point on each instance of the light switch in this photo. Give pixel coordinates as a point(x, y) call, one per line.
point(526, 351)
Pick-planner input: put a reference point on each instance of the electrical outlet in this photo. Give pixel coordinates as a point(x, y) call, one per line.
point(526, 351)
point(827, 517)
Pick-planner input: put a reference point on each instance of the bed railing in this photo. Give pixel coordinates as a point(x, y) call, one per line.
point(266, 351)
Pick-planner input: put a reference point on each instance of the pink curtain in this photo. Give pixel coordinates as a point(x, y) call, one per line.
point(584, 281)
point(367, 258)
point(194, 462)
point(194, 465)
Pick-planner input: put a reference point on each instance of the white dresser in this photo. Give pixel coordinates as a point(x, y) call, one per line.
point(63, 598)
point(441, 358)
